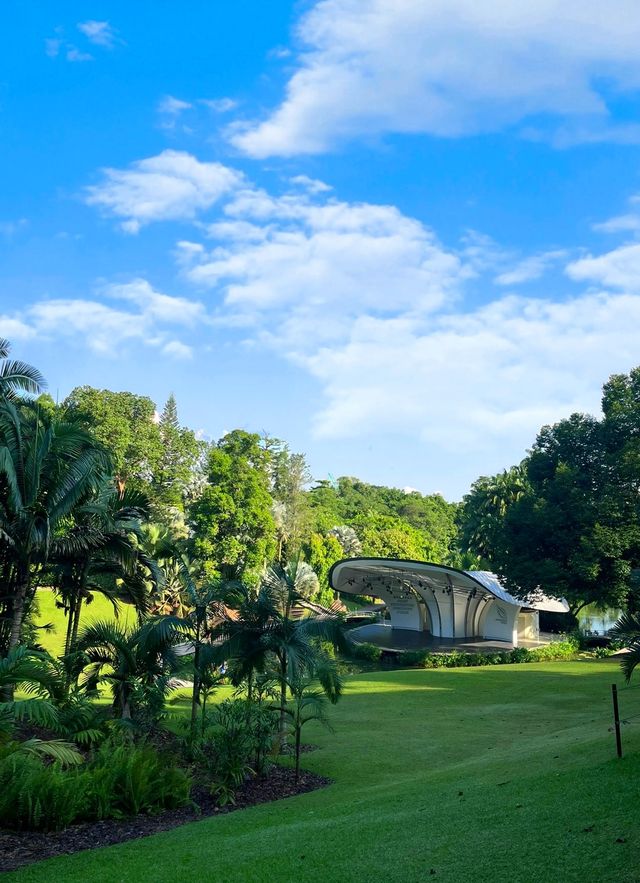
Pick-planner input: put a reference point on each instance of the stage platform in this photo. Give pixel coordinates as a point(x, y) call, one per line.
point(393, 639)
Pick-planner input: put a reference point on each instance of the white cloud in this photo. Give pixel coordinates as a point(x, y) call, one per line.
point(530, 269)
point(311, 184)
point(158, 306)
point(177, 350)
point(170, 110)
point(628, 223)
point(170, 186)
point(10, 228)
point(370, 303)
point(219, 105)
point(173, 106)
point(105, 329)
point(317, 266)
point(478, 381)
point(450, 68)
point(75, 54)
point(619, 268)
point(99, 32)
point(52, 47)
point(625, 223)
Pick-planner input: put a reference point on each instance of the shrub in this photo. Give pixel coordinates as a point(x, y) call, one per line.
point(603, 652)
point(36, 797)
point(235, 743)
point(456, 659)
point(367, 651)
point(127, 780)
point(556, 650)
point(519, 654)
point(120, 780)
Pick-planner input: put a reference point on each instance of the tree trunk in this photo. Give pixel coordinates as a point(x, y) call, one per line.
point(298, 734)
point(76, 624)
point(283, 703)
point(18, 613)
point(195, 695)
point(70, 615)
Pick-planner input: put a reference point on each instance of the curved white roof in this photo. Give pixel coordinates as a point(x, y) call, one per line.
point(358, 576)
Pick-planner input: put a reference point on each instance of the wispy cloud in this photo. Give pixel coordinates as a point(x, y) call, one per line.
point(629, 222)
point(75, 54)
point(10, 228)
point(96, 33)
point(219, 105)
point(101, 33)
point(530, 268)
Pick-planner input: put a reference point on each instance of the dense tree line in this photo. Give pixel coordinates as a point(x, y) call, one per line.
point(567, 518)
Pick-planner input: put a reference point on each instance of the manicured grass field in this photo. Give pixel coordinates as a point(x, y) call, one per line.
point(504, 773)
point(48, 613)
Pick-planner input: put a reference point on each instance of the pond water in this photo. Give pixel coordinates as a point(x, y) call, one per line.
point(598, 621)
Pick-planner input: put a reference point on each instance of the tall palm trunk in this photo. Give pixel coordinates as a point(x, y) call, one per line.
point(283, 702)
point(17, 618)
point(197, 677)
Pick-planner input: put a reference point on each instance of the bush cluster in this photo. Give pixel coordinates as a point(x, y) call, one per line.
point(117, 781)
point(234, 744)
point(456, 659)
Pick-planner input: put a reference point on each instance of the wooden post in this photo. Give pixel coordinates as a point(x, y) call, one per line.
point(616, 719)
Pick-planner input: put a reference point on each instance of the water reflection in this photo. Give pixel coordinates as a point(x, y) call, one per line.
point(591, 619)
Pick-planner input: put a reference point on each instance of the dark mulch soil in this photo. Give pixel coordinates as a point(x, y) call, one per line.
point(19, 848)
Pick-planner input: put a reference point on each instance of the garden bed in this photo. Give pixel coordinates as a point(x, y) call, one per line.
point(20, 848)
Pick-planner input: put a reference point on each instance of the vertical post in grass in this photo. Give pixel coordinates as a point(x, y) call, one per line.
point(616, 719)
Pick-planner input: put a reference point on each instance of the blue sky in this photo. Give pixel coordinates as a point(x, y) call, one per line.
point(400, 236)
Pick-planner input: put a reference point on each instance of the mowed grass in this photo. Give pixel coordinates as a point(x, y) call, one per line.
point(502, 773)
point(53, 639)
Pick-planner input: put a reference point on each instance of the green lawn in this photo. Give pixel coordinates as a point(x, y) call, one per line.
point(48, 613)
point(504, 773)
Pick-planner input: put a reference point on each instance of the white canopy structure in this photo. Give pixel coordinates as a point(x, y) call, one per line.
point(444, 602)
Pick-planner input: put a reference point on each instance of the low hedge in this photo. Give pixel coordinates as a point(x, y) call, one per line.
point(456, 659)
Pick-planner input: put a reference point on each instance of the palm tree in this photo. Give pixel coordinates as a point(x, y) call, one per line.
point(310, 694)
point(17, 377)
point(48, 467)
point(136, 662)
point(38, 677)
point(627, 629)
point(99, 553)
point(242, 633)
point(295, 641)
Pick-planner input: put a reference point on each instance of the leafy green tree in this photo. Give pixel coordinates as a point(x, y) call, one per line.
point(484, 508)
point(126, 425)
point(232, 523)
point(289, 478)
point(350, 502)
point(180, 453)
point(321, 553)
point(572, 532)
point(385, 536)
